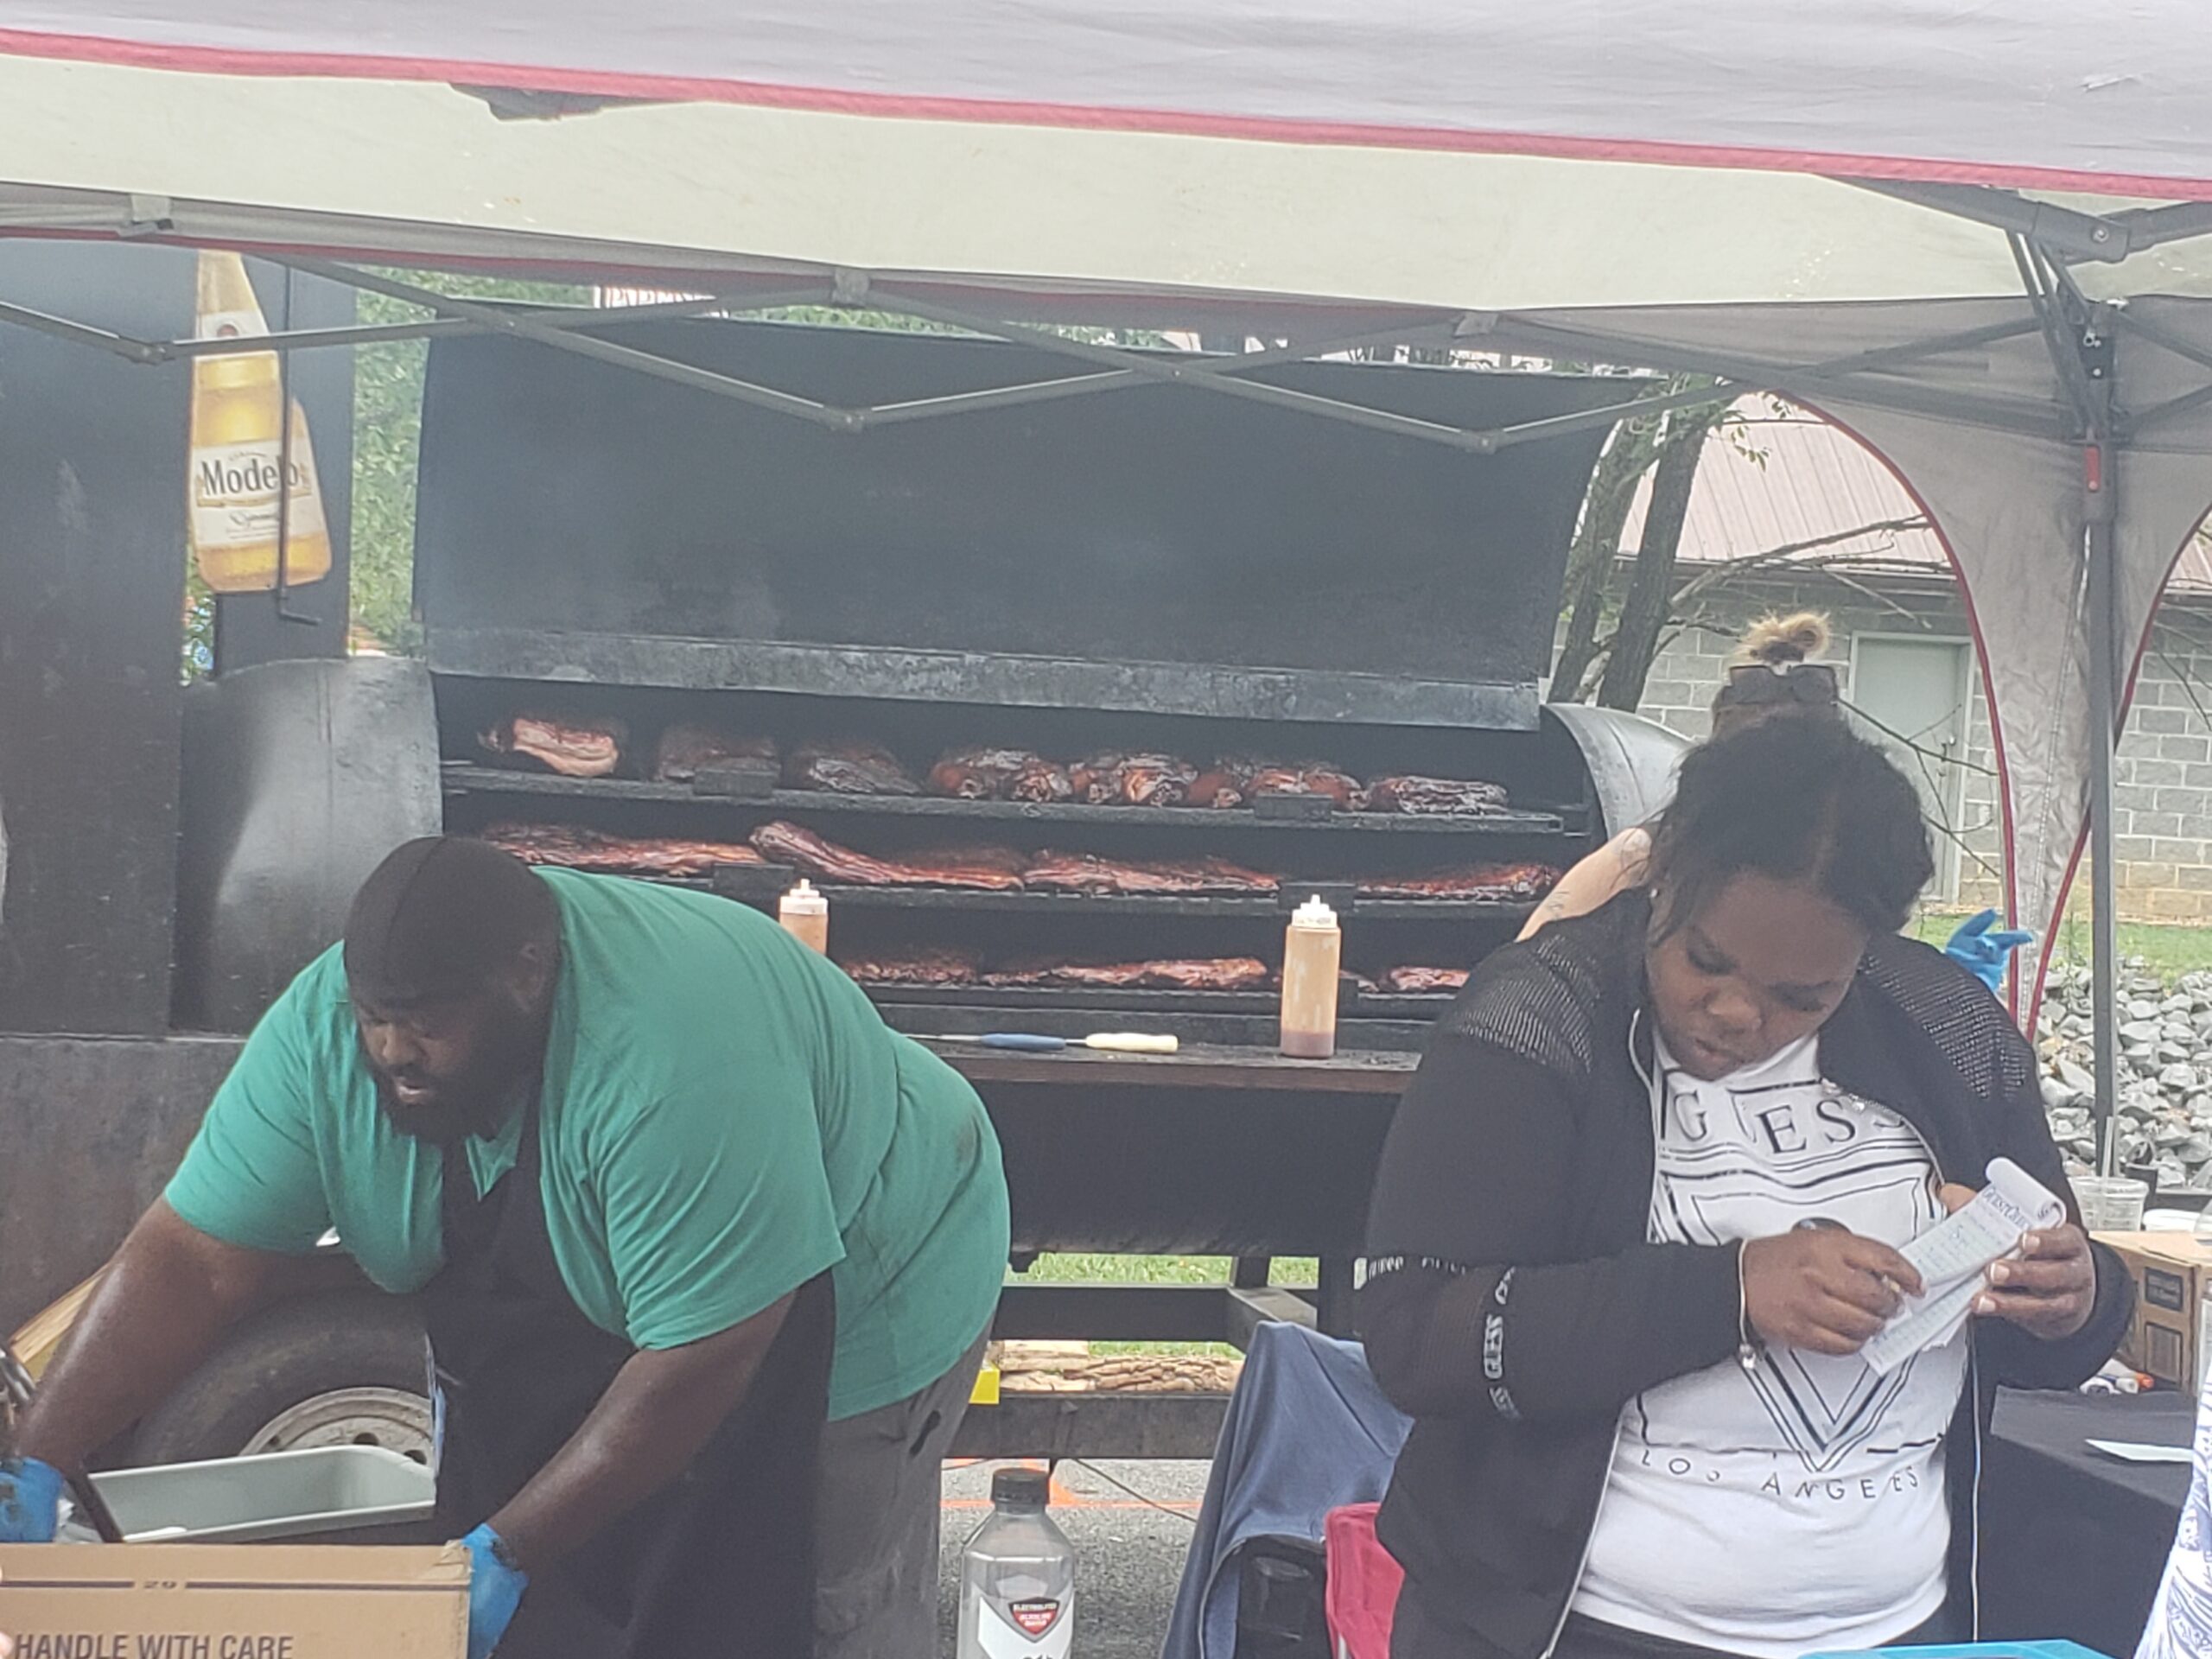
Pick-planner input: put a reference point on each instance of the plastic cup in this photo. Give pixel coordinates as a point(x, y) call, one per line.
point(2112, 1204)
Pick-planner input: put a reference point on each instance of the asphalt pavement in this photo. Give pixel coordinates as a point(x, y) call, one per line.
point(1131, 1525)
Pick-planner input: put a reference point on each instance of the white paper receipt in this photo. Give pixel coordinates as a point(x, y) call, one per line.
point(1952, 1258)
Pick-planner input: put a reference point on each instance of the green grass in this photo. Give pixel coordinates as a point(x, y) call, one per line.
point(2165, 949)
point(1291, 1272)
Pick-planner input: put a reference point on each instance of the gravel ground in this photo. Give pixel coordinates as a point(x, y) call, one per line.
point(1129, 1555)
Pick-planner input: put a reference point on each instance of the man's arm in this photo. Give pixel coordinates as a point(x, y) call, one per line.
point(660, 1410)
point(162, 1306)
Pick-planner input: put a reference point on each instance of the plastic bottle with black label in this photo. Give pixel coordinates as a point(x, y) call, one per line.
point(1017, 1576)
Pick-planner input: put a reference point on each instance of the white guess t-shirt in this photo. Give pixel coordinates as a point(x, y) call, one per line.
point(1797, 1505)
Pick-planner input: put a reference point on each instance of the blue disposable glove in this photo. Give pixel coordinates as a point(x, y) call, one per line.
point(495, 1587)
point(1982, 953)
point(31, 1502)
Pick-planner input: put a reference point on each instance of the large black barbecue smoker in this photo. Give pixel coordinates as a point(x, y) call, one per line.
point(1343, 562)
point(1152, 572)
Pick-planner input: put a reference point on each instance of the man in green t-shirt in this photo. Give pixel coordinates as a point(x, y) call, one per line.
point(671, 1196)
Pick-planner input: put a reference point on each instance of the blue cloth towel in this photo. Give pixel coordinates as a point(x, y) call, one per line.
point(1307, 1430)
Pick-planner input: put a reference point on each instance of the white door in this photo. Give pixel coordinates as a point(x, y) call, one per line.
point(1910, 693)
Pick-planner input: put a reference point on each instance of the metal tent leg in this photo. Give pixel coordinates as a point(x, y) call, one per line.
point(2104, 885)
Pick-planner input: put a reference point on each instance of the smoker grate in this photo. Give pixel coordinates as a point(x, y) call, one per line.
point(1352, 1004)
point(463, 778)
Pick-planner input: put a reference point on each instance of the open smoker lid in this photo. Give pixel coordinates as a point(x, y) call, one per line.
point(1157, 548)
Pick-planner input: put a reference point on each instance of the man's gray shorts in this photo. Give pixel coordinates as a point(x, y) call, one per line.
point(876, 1530)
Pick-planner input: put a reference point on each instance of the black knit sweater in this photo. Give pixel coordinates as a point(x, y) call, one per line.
point(1511, 1302)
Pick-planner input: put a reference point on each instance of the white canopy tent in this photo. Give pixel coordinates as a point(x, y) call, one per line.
point(1974, 234)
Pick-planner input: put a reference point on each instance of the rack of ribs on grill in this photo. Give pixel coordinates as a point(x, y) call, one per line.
point(683, 750)
point(1202, 974)
point(1116, 779)
point(935, 966)
point(848, 768)
point(989, 868)
point(1412, 981)
point(999, 775)
point(1413, 793)
point(1491, 883)
point(1089, 873)
point(570, 848)
point(1305, 778)
point(587, 748)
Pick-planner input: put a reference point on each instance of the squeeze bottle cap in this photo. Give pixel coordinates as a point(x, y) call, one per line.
point(1313, 913)
point(804, 900)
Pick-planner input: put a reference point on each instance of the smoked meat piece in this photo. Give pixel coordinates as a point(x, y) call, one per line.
point(1307, 778)
point(1203, 974)
point(999, 775)
point(684, 749)
point(1219, 789)
point(1117, 779)
point(1414, 794)
point(933, 966)
point(570, 848)
point(848, 768)
point(586, 747)
point(990, 868)
point(1089, 873)
point(1041, 783)
point(1092, 779)
point(1494, 883)
point(1419, 982)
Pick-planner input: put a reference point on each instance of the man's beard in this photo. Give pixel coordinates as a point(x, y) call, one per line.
point(477, 1101)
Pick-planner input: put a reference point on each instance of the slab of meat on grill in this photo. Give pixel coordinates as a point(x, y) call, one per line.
point(999, 775)
point(935, 966)
point(570, 848)
point(586, 747)
point(1419, 982)
point(1307, 778)
point(1116, 779)
point(1089, 873)
point(1201, 974)
point(1414, 794)
point(1495, 883)
point(684, 749)
point(1220, 788)
point(1041, 783)
point(990, 868)
point(848, 768)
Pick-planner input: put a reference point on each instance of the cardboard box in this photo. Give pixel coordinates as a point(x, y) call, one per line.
point(228, 1601)
point(2166, 1340)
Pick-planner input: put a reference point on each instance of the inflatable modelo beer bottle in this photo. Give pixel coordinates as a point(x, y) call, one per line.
point(238, 451)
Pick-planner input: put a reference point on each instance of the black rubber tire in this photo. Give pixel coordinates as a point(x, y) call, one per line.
point(292, 1353)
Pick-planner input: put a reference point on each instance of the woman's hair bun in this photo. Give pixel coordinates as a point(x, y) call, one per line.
point(1778, 641)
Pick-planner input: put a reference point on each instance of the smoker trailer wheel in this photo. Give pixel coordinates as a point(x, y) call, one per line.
point(338, 1369)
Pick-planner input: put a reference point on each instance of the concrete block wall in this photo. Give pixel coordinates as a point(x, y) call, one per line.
point(2162, 784)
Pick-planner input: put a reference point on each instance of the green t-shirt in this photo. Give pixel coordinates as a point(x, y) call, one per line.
point(724, 1116)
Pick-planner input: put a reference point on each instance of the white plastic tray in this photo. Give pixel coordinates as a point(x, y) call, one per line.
point(337, 1489)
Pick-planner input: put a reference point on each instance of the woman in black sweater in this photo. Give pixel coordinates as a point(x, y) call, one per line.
point(1639, 1211)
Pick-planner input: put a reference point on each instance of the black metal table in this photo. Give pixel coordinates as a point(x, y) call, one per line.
point(2073, 1542)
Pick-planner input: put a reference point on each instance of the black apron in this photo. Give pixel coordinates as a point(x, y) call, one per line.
point(719, 1563)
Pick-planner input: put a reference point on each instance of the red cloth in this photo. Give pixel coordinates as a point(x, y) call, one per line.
point(1363, 1582)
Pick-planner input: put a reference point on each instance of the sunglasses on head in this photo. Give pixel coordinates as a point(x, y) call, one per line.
point(1755, 682)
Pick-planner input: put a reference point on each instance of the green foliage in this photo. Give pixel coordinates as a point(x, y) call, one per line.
point(198, 625)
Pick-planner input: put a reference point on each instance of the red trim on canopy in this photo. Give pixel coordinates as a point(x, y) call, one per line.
point(1996, 721)
point(2119, 727)
point(208, 59)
